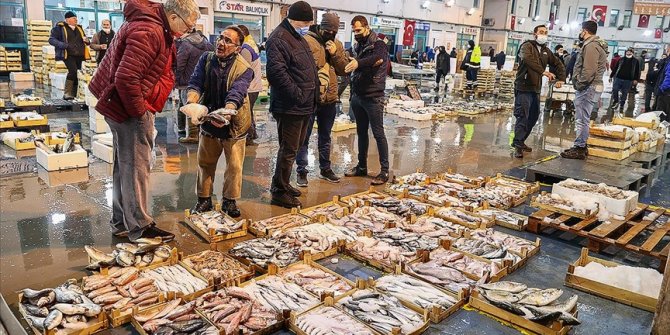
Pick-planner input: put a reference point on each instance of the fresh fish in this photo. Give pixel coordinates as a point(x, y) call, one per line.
point(35, 311)
point(125, 258)
point(97, 255)
point(508, 286)
point(129, 247)
point(382, 312)
point(65, 296)
point(44, 300)
point(31, 294)
point(544, 315)
point(416, 291)
point(52, 320)
point(215, 265)
point(36, 322)
point(542, 297)
point(162, 252)
point(328, 320)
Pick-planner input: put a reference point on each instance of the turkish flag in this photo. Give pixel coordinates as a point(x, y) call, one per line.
point(643, 21)
point(658, 33)
point(408, 37)
point(513, 22)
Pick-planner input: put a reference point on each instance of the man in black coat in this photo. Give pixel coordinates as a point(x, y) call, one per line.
point(500, 60)
point(294, 83)
point(442, 67)
point(625, 76)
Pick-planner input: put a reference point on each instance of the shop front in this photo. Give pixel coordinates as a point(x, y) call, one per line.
point(421, 30)
point(466, 34)
point(89, 12)
point(12, 27)
point(514, 40)
point(253, 15)
point(388, 27)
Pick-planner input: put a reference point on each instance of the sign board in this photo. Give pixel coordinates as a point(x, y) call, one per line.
point(469, 31)
point(652, 7)
point(646, 46)
point(243, 7)
point(422, 26)
point(516, 36)
point(386, 22)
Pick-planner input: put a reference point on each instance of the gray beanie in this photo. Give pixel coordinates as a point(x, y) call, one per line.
point(330, 22)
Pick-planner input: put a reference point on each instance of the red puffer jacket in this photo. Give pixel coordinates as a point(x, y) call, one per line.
point(136, 74)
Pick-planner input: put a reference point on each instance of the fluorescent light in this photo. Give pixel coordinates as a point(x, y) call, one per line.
point(648, 32)
point(425, 4)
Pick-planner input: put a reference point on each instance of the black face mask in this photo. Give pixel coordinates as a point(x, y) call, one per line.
point(328, 36)
point(360, 38)
point(581, 38)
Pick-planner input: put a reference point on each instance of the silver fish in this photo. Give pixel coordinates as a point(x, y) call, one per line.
point(97, 255)
point(508, 286)
point(36, 322)
point(542, 297)
point(66, 296)
point(35, 311)
point(125, 258)
point(30, 293)
point(52, 320)
point(130, 247)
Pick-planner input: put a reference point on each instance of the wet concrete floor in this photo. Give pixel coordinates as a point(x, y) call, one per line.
point(44, 225)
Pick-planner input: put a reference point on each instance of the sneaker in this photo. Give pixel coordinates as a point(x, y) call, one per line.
point(526, 148)
point(381, 179)
point(357, 171)
point(293, 191)
point(152, 231)
point(188, 140)
point(203, 205)
point(575, 153)
point(330, 176)
point(518, 152)
point(285, 200)
point(301, 180)
point(230, 207)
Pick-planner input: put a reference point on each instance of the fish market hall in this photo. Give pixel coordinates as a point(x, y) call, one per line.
point(334, 167)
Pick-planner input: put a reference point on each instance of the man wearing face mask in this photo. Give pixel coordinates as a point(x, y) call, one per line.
point(102, 39)
point(70, 42)
point(329, 56)
point(294, 83)
point(368, 82)
point(534, 56)
point(133, 83)
point(442, 68)
point(219, 84)
point(625, 75)
point(588, 81)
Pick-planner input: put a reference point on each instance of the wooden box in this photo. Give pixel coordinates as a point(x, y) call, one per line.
point(102, 151)
point(67, 160)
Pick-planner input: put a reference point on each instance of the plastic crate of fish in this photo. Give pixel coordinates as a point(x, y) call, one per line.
point(315, 278)
point(216, 226)
point(267, 227)
point(327, 319)
point(218, 267)
point(179, 280)
point(171, 316)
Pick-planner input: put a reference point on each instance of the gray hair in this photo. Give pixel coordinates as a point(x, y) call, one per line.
point(184, 8)
point(106, 20)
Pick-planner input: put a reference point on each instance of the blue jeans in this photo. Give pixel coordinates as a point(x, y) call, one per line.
point(585, 101)
point(623, 86)
point(526, 111)
point(325, 118)
point(370, 114)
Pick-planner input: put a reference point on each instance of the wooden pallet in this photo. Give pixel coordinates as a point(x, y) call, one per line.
point(619, 233)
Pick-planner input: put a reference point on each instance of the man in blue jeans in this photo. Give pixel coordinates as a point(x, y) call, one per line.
point(588, 81)
point(369, 66)
point(534, 56)
point(625, 75)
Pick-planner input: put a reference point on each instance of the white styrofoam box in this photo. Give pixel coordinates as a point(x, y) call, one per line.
point(407, 104)
point(93, 114)
point(58, 80)
point(613, 206)
point(21, 76)
point(104, 152)
point(49, 50)
point(64, 161)
point(89, 98)
point(415, 116)
point(64, 177)
point(98, 126)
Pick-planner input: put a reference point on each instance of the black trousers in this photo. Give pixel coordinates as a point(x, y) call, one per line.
point(440, 75)
point(291, 133)
point(73, 63)
point(527, 112)
point(370, 115)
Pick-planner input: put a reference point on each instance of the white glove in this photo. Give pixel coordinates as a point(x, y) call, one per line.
point(195, 111)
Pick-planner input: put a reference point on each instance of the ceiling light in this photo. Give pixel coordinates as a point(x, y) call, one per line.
point(471, 11)
point(648, 32)
point(425, 4)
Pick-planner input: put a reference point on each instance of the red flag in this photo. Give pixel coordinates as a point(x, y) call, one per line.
point(408, 37)
point(658, 33)
point(598, 14)
point(643, 21)
point(513, 22)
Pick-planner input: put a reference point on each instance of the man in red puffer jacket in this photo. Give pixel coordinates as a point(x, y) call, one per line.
point(132, 84)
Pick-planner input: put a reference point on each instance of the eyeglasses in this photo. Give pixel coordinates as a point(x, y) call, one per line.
point(226, 40)
point(189, 26)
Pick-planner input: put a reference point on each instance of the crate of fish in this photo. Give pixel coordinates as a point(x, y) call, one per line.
point(6, 120)
point(234, 311)
point(321, 240)
point(258, 253)
point(504, 218)
point(464, 218)
point(487, 249)
point(218, 267)
point(178, 279)
point(358, 199)
point(412, 178)
point(431, 226)
point(18, 144)
point(145, 252)
point(367, 218)
point(535, 310)
point(279, 295)
point(61, 310)
point(172, 317)
point(402, 205)
point(315, 278)
point(325, 318)
point(388, 315)
point(379, 254)
point(634, 122)
point(29, 119)
point(215, 226)
point(268, 226)
point(634, 286)
point(23, 100)
point(466, 181)
point(519, 250)
point(59, 138)
point(409, 242)
point(526, 187)
point(558, 204)
point(326, 211)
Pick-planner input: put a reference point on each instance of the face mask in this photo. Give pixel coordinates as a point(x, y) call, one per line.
point(302, 31)
point(581, 37)
point(542, 39)
point(106, 30)
point(629, 56)
point(359, 37)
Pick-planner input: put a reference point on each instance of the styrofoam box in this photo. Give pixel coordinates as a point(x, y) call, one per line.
point(98, 126)
point(407, 104)
point(58, 80)
point(21, 76)
point(104, 152)
point(415, 116)
point(49, 50)
point(614, 206)
point(64, 177)
point(64, 161)
point(93, 114)
point(89, 98)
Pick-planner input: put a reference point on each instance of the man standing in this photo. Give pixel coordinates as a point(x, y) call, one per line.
point(132, 84)
point(453, 53)
point(102, 39)
point(558, 53)
point(492, 54)
point(588, 81)
point(573, 59)
point(534, 56)
point(650, 84)
point(70, 43)
point(191, 47)
point(625, 75)
point(367, 97)
point(663, 92)
point(330, 60)
point(293, 78)
point(442, 68)
point(250, 53)
point(500, 60)
point(219, 85)
point(471, 63)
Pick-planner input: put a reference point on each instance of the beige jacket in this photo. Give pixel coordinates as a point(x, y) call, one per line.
point(337, 63)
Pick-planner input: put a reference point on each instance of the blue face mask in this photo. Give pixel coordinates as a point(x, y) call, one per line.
point(302, 31)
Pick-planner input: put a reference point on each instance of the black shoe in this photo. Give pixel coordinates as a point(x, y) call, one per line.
point(381, 179)
point(152, 231)
point(357, 171)
point(330, 176)
point(526, 148)
point(203, 205)
point(230, 206)
point(575, 153)
point(285, 200)
point(437, 89)
point(301, 180)
point(518, 152)
point(293, 191)
point(181, 133)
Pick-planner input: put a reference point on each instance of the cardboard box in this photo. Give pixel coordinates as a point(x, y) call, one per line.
point(64, 161)
point(102, 151)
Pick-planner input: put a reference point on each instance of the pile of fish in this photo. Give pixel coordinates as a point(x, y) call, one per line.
point(216, 265)
point(175, 278)
point(63, 308)
point(173, 318)
point(519, 187)
point(492, 196)
point(233, 310)
point(441, 275)
point(402, 207)
point(413, 178)
point(415, 291)
point(329, 320)
point(456, 215)
point(332, 211)
point(280, 222)
point(143, 253)
point(4, 117)
point(407, 241)
point(262, 251)
point(316, 237)
point(484, 249)
point(504, 216)
point(121, 290)
point(278, 294)
point(603, 189)
point(463, 178)
point(534, 304)
point(373, 249)
point(432, 227)
point(444, 186)
point(432, 195)
point(216, 220)
point(26, 97)
point(314, 280)
point(557, 201)
point(359, 200)
point(25, 116)
point(502, 240)
point(381, 312)
point(367, 218)
point(68, 145)
point(464, 263)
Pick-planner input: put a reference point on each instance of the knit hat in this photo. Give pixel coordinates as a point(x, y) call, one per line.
point(330, 22)
point(70, 14)
point(590, 26)
point(471, 43)
point(301, 11)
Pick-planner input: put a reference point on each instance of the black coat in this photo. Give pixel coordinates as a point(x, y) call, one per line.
point(443, 62)
point(626, 69)
point(291, 72)
point(369, 79)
